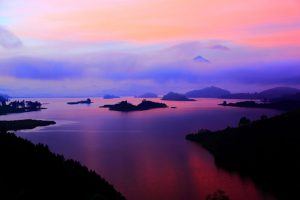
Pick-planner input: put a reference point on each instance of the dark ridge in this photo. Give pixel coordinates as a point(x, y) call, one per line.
point(87, 101)
point(209, 92)
point(266, 150)
point(278, 92)
point(148, 95)
point(124, 106)
point(23, 124)
point(269, 94)
point(32, 172)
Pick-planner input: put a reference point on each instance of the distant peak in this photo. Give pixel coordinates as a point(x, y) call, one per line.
point(201, 59)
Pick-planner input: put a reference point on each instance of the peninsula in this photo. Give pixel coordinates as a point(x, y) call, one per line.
point(30, 171)
point(7, 107)
point(290, 102)
point(266, 150)
point(23, 124)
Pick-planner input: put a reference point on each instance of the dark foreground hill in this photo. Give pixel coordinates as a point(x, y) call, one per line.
point(32, 172)
point(267, 150)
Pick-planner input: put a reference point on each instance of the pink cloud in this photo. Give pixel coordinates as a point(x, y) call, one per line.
point(147, 21)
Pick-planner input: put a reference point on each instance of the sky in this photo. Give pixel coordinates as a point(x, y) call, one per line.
point(128, 47)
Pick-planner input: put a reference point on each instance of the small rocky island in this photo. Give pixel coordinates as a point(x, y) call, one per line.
point(7, 107)
point(87, 101)
point(124, 106)
point(172, 96)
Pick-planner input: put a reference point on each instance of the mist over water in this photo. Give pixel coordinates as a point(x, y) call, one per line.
point(144, 154)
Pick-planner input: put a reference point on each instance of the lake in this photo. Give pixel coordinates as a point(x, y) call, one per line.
point(144, 154)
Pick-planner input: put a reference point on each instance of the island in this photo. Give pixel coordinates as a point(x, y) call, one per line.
point(87, 101)
point(148, 95)
point(266, 150)
point(32, 171)
point(7, 107)
point(23, 124)
point(110, 96)
point(172, 96)
point(124, 106)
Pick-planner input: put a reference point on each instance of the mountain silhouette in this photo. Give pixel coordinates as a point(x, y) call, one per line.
point(208, 92)
point(201, 59)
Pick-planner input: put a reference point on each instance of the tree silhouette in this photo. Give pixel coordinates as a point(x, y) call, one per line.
point(244, 121)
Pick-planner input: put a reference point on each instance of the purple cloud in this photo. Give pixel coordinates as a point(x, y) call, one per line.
point(40, 69)
point(219, 47)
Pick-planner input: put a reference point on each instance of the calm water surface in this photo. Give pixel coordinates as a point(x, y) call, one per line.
point(144, 154)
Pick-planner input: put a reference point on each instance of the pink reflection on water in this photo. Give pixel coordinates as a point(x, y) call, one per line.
point(144, 154)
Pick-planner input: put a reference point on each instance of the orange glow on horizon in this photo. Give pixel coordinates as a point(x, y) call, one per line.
point(155, 21)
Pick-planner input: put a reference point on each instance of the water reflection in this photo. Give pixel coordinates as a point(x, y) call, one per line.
point(144, 154)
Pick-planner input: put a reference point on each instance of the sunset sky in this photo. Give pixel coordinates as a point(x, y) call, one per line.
point(127, 47)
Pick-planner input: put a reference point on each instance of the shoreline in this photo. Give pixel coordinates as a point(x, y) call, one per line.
point(264, 150)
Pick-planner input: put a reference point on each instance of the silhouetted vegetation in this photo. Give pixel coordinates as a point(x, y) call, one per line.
point(218, 195)
point(23, 124)
point(266, 150)
point(7, 106)
point(244, 121)
point(87, 101)
point(32, 172)
point(3, 98)
point(124, 106)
